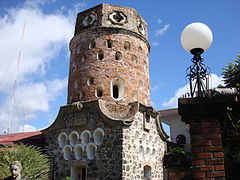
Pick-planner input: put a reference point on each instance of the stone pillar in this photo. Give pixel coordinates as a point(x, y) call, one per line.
point(203, 117)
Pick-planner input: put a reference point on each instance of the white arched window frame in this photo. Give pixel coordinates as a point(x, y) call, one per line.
point(73, 137)
point(78, 151)
point(91, 150)
point(117, 88)
point(85, 137)
point(67, 151)
point(98, 136)
point(62, 139)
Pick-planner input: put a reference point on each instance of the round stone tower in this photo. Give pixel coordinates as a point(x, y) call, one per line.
point(109, 56)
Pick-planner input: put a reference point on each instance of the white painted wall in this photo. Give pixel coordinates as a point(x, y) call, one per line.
point(177, 127)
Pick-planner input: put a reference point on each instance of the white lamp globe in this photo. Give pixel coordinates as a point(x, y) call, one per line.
point(196, 36)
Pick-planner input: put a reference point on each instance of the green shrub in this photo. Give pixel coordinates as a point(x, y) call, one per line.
point(176, 157)
point(35, 164)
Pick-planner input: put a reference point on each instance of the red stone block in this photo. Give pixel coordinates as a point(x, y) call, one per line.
point(213, 136)
point(204, 168)
point(213, 149)
point(202, 155)
point(198, 162)
point(218, 154)
point(214, 161)
point(202, 143)
point(215, 174)
point(219, 167)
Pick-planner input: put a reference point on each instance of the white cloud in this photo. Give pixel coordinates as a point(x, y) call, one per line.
point(155, 43)
point(30, 40)
point(27, 128)
point(173, 101)
point(163, 30)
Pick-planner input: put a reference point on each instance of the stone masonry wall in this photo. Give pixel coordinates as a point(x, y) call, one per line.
point(131, 66)
point(125, 149)
point(142, 147)
point(107, 162)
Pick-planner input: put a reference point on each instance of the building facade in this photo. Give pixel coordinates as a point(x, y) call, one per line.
point(108, 130)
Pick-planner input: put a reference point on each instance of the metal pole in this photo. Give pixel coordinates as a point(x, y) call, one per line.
point(198, 79)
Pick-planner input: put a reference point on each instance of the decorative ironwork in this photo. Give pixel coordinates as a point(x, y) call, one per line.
point(198, 75)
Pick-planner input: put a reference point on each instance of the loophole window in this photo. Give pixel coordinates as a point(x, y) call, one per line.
point(134, 59)
point(90, 81)
point(126, 45)
point(100, 55)
point(118, 55)
point(117, 88)
point(99, 92)
point(92, 44)
point(115, 92)
point(109, 43)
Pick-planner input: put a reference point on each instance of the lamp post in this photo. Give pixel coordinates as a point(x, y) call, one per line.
point(196, 38)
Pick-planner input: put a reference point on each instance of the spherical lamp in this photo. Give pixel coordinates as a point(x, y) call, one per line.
point(196, 38)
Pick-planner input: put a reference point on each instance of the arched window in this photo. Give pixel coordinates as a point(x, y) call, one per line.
point(78, 151)
point(85, 137)
point(109, 43)
point(62, 139)
point(126, 45)
point(147, 172)
point(115, 91)
point(98, 136)
point(91, 150)
point(100, 55)
point(73, 137)
point(67, 151)
point(99, 92)
point(118, 55)
point(117, 88)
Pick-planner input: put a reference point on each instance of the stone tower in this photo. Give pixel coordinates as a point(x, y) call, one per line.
point(109, 56)
point(107, 130)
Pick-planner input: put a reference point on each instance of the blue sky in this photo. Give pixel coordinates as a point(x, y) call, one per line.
point(34, 52)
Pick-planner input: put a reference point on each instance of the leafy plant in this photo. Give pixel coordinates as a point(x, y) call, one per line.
point(231, 124)
point(35, 164)
point(176, 157)
point(231, 73)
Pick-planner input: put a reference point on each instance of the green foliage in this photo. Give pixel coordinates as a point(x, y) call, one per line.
point(231, 73)
point(231, 124)
point(35, 164)
point(68, 178)
point(232, 163)
point(176, 157)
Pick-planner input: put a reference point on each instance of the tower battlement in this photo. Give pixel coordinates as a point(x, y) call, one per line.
point(112, 17)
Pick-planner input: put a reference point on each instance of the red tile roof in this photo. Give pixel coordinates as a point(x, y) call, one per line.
point(25, 137)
